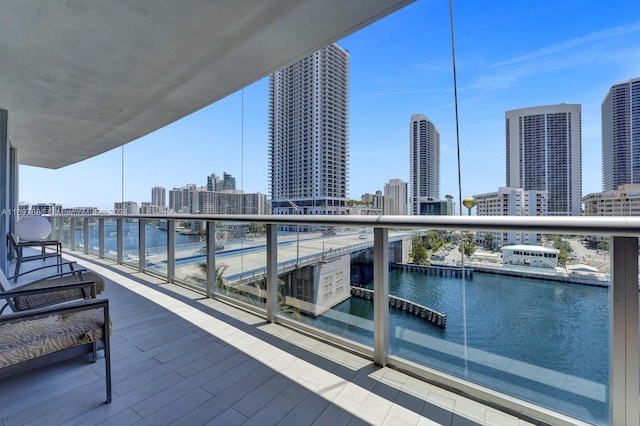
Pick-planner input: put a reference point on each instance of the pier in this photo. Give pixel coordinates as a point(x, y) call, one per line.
point(434, 317)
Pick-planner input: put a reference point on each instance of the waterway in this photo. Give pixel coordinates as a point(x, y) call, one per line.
point(156, 238)
point(546, 342)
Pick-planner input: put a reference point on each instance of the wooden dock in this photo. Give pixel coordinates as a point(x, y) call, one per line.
point(434, 317)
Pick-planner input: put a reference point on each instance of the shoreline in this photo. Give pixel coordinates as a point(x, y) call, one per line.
point(526, 272)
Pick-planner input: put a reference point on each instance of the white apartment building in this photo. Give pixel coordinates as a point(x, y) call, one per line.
point(424, 163)
point(149, 208)
point(229, 202)
point(510, 202)
point(621, 135)
point(126, 207)
point(624, 201)
point(396, 199)
point(543, 153)
point(309, 134)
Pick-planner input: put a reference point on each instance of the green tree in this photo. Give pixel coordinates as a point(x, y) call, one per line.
point(467, 246)
point(434, 241)
point(488, 238)
point(419, 253)
point(257, 229)
point(564, 248)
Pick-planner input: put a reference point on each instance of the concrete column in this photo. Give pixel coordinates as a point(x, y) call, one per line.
point(272, 272)
point(380, 296)
point(6, 209)
point(624, 406)
point(211, 257)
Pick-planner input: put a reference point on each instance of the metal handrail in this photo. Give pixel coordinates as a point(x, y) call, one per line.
point(624, 226)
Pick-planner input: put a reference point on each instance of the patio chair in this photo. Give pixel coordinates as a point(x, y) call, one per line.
point(39, 337)
point(41, 299)
point(19, 246)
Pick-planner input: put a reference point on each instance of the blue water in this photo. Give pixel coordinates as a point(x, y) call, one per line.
point(535, 339)
point(156, 238)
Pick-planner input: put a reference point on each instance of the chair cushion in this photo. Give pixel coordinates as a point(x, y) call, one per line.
point(32, 338)
point(39, 300)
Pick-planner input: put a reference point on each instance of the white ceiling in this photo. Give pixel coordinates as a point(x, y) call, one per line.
point(81, 77)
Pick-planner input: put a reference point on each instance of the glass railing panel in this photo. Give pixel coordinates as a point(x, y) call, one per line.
point(79, 233)
point(191, 251)
point(156, 246)
point(325, 276)
point(529, 322)
point(62, 231)
point(110, 238)
point(241, 259)
point(130, 242)
point(94, 235)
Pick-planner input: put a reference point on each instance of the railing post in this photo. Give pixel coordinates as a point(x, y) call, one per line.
point(211, 257)
point(119, 240)
point(624, 405)
point(171, 250)
point(85, 237)
point(142, 244)
point(380, 296)
point(272, 272)
point(101, 232)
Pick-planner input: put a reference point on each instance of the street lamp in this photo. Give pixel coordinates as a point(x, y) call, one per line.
point(295, 206)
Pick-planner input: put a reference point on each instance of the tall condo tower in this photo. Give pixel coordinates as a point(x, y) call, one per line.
point(309, 134)
point(424, 158)
point(621, 135)
point(159, 196)
point(544, 154)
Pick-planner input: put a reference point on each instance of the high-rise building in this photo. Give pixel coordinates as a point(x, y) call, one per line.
point(159, 196)
point(424, 159)
point(395, 197)
point(175, 200)
point(309, 134)
point(621, 135)
point(543, 147)
point(227, 183)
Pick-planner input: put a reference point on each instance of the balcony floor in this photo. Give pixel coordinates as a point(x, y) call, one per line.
point(180, 358)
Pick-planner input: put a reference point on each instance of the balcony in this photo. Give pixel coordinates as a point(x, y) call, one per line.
point(182, 358)
point(248, 352)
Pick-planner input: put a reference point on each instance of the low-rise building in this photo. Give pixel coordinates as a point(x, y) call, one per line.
point(624, 201)
point(510, 202)
point(529, 255)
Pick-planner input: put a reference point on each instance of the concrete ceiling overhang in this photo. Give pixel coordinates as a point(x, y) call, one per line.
point(81, 77)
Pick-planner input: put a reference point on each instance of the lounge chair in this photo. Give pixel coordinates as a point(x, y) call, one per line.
point(19, 246)
point(41, 299)
point(38, 337)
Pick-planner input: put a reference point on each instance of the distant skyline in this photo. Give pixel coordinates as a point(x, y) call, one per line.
point(509, 55)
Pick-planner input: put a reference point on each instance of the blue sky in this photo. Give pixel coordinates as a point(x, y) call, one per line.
point(509, 55)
